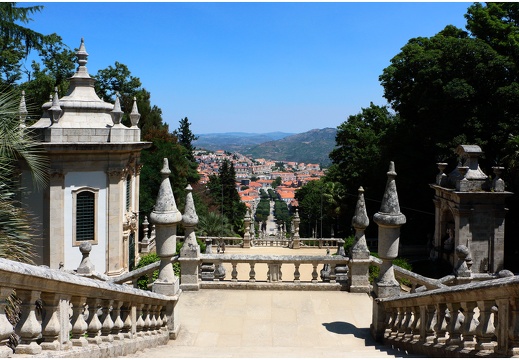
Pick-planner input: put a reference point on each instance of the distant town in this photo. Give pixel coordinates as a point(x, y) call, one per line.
point(255, 174)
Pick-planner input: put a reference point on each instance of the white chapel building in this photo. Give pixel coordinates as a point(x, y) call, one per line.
point(93, 192)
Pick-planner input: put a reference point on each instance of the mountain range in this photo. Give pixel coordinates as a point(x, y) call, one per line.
point(309, 147)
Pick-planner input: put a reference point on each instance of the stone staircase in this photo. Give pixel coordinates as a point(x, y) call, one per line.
point(273, 324)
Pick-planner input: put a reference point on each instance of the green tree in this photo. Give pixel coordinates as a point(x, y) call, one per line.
point(224, 193)
point(56, 67)
point(214, 224)
point(276, 182)
point(186, 137)
point(16, 40)
point(17, 149)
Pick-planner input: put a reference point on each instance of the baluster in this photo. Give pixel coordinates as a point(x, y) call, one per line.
point(398, 322)
point(455, 324)
point(28, 328)
point(513, 328)
point(429, 325)
point(314, 273)
point(252, 273)
point(163, 318)
point(502, 317)
point(485, 329)
point(126, 317)
point(441, 324)
point(94, 325)
point(297, 274)
point(51, 324)
point(416, 324)
point(156, 316)
point(406, 324)
point(332, 274)
point(388, 322)
point(6, 329)
point(147, 320)
point(140, 320)
point(118, 322)
point(468, 329)
point(234, 272)
point(79, 325)
point(106, 320)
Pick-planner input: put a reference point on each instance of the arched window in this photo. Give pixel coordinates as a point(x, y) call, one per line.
point(85, 212)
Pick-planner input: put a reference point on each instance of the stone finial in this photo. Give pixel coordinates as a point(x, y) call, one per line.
point(165, 210)
point(462, 269)
point(22, 111)
point(134, 115)
point(117, 113)
point(81, 54)
point(86, 267)
point(498, 184)
point(55, 109)
point(360, 219)
point(360, 222)
point(190, 218)
point(389, 213)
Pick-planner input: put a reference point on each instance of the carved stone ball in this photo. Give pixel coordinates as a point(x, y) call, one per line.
point(85, 247)
point(505, 273)
point(462, 251)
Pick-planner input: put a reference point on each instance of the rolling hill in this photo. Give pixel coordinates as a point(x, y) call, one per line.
point(310, 147)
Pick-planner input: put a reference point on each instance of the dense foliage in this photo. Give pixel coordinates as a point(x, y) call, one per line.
point(222, 188)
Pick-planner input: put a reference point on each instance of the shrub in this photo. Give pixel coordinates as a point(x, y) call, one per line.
point(374, 271)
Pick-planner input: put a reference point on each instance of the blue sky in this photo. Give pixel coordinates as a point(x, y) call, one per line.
point(250, 67)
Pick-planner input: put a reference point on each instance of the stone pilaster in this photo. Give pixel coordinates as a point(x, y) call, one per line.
point(359, 263)
point(53, 248)
point(116, 243)
point(190, 251)
point(389, 220)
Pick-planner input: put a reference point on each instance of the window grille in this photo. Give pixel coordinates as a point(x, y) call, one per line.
point(85, 216)
point(128, 192)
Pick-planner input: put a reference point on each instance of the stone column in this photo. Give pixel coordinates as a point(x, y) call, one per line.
point(295, 242)
point(190, 251)
point(389, 220)
point(246, 236)
point(166, 216)
point(359, 263)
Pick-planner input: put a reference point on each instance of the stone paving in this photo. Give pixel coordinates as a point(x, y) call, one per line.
point(273, 324)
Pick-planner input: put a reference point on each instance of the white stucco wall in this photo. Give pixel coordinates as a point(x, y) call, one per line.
point(74, 181)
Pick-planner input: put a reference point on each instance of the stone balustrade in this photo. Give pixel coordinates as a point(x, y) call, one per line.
point(469, 320)
point(277, 271)
point(318, 243)
point(78, 316)
point(271, 241)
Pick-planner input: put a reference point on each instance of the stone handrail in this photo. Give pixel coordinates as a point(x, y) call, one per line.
point(469, 320)
point(414, 278)
point(136, 274)
point(68, 326)
point(334, 279)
